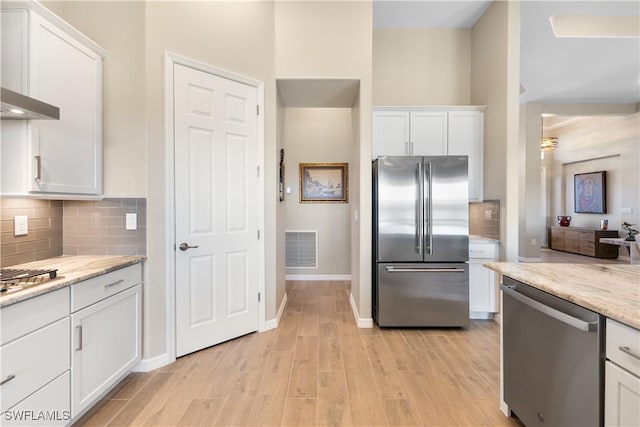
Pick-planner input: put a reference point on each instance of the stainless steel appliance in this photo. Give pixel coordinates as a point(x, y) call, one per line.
point(553, 363)
point(421, 241)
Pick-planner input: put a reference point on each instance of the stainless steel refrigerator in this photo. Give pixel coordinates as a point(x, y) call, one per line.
point(421, 241)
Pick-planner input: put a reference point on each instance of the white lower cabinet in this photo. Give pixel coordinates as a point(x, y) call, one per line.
point(48, 406)
point(482, 281)
point(106, 345)
point(622, 376)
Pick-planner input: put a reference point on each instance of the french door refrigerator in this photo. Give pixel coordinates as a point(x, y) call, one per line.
point(421, 241)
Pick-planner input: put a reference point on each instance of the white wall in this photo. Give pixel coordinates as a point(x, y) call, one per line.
point(421, 67)
point(319, 135)
point(592, 144)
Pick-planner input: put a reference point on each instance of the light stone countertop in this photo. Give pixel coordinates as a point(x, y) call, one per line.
point(482, 239)
point(612, 290)
point(71, 269)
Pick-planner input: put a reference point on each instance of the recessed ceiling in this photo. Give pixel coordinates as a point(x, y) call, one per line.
point(581, 69)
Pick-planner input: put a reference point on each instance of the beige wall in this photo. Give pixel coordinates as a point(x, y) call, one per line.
point(592, 144)
point(281, 217)
point(333, 39)
point(492, 84)
point(119, 28)
point(421, 67)
point(319, 135)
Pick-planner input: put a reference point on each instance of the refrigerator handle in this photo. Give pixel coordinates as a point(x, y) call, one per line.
point(427, 210)
point(419, 210)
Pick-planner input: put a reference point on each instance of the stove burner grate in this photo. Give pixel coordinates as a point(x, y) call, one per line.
point(13, 274)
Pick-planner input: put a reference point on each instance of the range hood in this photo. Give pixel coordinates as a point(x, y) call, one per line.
point(17, 106)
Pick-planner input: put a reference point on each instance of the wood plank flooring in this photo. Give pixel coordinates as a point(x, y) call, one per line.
point(319, 369)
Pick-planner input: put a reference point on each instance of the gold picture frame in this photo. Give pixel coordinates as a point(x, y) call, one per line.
point(324, 182)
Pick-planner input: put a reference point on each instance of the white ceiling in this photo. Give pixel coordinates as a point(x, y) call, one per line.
point(552, 70)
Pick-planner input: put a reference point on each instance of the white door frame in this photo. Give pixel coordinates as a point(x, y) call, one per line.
point(171, 59)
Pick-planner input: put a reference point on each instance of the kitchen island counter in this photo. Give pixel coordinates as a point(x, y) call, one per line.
point(612, 290)
point(71, 269)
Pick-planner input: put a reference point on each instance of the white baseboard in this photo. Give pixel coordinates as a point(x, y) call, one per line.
point(505, 409)
point(146, 365)
point(525, 259)
point(319, 277)
point(362, 323)
point(480, 315)
point(273, 323)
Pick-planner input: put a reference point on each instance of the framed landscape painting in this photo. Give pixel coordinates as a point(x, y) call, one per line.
point(324, 182)
point(590, 192)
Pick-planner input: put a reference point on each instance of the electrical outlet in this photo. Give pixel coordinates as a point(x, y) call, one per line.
point(626, 210)
point(20, 225)
point(131, 222)
point(534, 242)
point(487, 214)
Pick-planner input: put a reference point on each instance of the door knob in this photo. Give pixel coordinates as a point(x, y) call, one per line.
point(185, 246)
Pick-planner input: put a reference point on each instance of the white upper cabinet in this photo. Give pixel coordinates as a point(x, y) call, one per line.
point(390, 133)
point(429, 133)
point(433, 131)
point(45, 58)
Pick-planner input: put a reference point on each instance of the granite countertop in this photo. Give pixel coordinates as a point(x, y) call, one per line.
point(612, 290)
point(476, 238)
point(71, 269)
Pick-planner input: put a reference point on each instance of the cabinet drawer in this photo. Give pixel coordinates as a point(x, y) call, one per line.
point(482, 250)
point(42, 310)
point(50, 406)
point(98, 288)
point(33, 361)
point(622, 340)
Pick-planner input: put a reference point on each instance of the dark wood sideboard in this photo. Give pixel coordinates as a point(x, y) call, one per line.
point(583, 241)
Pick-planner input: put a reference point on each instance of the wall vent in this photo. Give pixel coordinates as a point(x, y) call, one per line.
point(302, 248)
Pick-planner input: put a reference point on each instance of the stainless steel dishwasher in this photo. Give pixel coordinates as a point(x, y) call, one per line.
point(553, 359)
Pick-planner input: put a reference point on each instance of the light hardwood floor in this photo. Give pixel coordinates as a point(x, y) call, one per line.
point(319, 369)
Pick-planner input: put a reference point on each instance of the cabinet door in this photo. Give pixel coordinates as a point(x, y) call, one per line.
point(466, 138)
point(621, 397)
point(67, 153)
point(481, 291)
point(49, 406)
point(105, 346)
point(390, 133)
point(428, 133)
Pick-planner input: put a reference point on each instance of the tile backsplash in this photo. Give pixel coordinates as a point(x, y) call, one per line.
point(71, 228)
point(44, 238)
point(484, 219)
point(98, 228)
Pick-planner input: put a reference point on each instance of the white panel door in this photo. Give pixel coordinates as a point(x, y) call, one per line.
point(390, 133)
point(429, 133)
point(621, 397)
point(216, 199)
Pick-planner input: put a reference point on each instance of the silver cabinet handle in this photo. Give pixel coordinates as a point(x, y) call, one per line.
point(551, 312)
point(38, 167)
point(411, 147)
point(6, 380)
point(424, 270)
point(114, 283)
point(419, 210)
point(185, 246)
point(406, 148)
point(630, 352)
point(79, 329)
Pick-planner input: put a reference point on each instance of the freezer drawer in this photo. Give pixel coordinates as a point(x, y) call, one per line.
point(420, 294)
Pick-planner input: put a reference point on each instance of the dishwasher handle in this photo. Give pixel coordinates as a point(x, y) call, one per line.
point(549, 311)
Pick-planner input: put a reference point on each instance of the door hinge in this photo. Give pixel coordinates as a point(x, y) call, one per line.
point(258, 296)
point(257, 110)
point(258, 171)
point(258, 234)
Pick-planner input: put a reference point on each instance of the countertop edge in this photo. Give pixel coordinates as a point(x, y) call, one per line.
point(114, 263)
point(631, 320)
